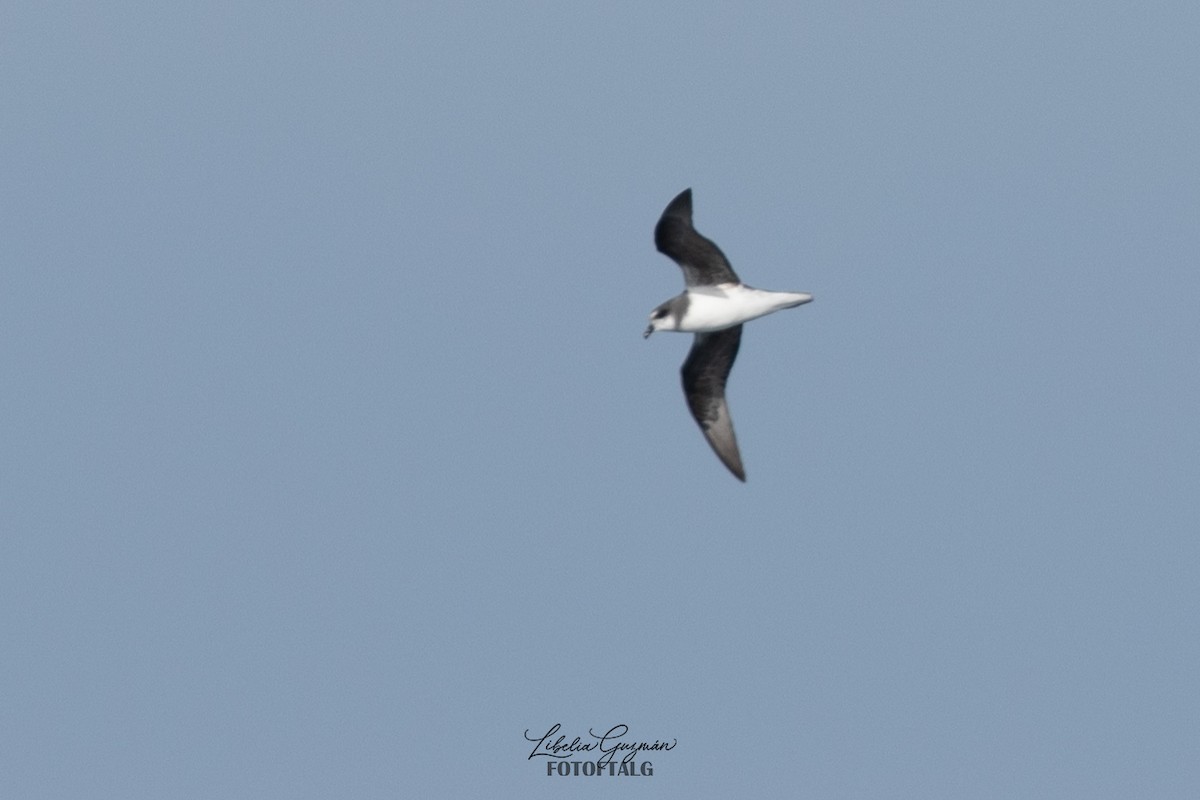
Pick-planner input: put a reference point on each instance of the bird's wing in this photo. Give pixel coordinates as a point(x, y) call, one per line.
point(704, 374)
point(702, 262)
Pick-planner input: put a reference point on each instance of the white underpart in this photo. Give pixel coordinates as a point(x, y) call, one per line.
point(714, 308)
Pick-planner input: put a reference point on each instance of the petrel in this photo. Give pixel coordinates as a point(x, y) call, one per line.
point(713, 305)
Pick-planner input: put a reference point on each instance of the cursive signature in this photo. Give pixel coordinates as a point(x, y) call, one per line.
point(609, 744)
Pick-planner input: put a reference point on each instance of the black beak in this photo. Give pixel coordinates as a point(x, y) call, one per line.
point(649, 330)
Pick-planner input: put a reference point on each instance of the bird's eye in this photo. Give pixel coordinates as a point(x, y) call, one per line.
point(659, 313)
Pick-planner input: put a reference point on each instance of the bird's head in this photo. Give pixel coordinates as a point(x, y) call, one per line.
point(661, 319)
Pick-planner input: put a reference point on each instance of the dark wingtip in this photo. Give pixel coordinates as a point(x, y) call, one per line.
point(732, 459)
point(681, 206)
point(738, 471)
point(675, 221)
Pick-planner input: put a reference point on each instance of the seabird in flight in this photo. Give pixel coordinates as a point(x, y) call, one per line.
point(713, 306)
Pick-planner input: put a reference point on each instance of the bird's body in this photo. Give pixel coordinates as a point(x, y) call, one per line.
point(703, 309)
point(713, 305)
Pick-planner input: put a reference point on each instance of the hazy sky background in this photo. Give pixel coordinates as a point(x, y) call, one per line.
point(333, 458)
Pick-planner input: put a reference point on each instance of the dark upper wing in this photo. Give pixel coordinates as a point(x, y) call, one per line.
point(704, 374)
point(702, 261)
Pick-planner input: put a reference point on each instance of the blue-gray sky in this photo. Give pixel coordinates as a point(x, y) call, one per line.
point(333, 458)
